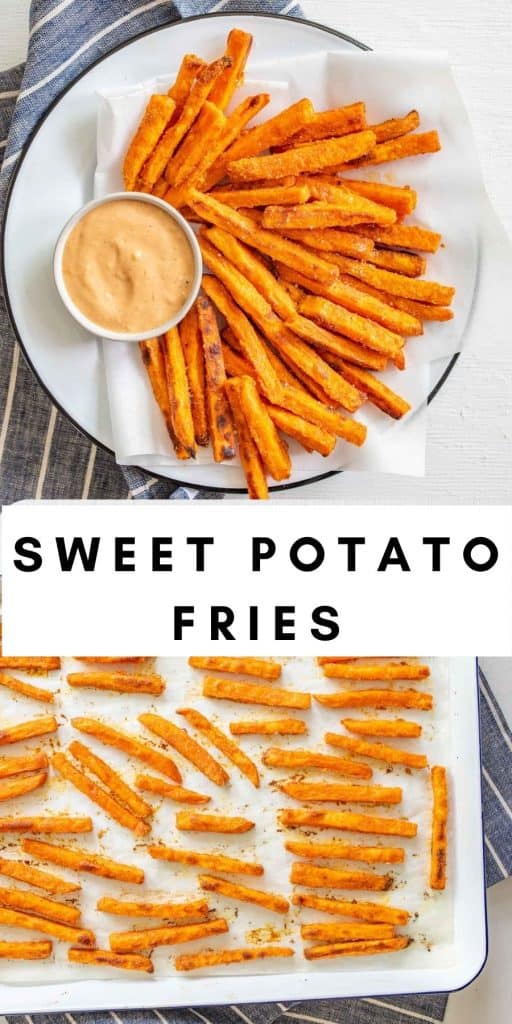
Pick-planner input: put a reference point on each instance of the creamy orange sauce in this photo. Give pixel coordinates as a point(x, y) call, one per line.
point(128, 266)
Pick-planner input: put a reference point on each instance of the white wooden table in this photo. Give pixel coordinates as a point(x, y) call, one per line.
point(478, 38)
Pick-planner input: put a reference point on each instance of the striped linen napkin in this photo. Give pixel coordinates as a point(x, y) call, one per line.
point(496, 740)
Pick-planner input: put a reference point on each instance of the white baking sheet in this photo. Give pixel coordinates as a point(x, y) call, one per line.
point(390, 84)
point(432, 926)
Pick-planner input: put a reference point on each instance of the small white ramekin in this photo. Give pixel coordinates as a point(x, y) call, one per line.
point(73, 308)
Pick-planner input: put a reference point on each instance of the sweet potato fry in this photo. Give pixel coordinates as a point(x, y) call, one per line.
point(269, 727)
point(331, 660)
point(255, 693)
point(237, 50)
point(278, 195)
point(352, 325)
point(268, 242)
point(254, 269)
point(34, 666)
point(190, 910)
point(106, 958)
point(220, 420)
point(99, 796)
point(83, 860)
point(272, 449)
point(382, 726)
point(189, 68)
point(64, 932)
point(381, 698)
point(376, 391)
point(212, 170)
point(419, 310)
point(344, 931)
point(119, 682)
point(273, 132)
point(157, 116)
point(53, 824)
point(160, 156)
point(26, 689)
point(332, 123)
point(149, 938)
point(171, 790)
point(11, 788)
point(108, 660)
point(394, 127)
point(342, 792)
point(153, 358)
point(37, 878)
point(363, 947)
point(179, 395)
point(403, 236)
point(262, 668)
point(213, 958)
point(309, 408)
point(396, 284)
point(366, 672)
point(189, 821)
point(312, 437)
point(314, 216)
point(208, 127)
point(397, 149)
point(111, 779)
point(27, 730)
point(381, 752)
point(346, 293)
point(329, 341)
point(25, 950)
point(251, 344)
point(407, 263)
point(244, 894)
point(348, 202)
point(227, 746)
point(280, 757)
point(345, 242)
point(348, 821)
point(309, 363)
point(130, 745)
point(331, 878)
point(20, 899)
point(312, 156)
point(186, 746)
point(402, 199)
point(359, 909)
point(283, 372)
point(336, 850)
point(26, 763)
point(194, 359)
point(212, 861)
point(439, 843)
point(250, 458)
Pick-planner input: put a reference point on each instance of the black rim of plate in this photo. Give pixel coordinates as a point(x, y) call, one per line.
point(26, 147)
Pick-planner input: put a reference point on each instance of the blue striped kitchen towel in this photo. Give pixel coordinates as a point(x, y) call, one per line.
point(496, 740)
point(42, 454)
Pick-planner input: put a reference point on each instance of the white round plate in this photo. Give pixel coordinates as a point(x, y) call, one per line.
point(54, 178)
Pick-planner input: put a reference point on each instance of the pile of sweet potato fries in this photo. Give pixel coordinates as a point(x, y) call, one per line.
point(315, 275)
point(342, 776)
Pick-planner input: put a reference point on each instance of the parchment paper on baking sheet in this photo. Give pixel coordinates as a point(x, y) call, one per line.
point(432, 924)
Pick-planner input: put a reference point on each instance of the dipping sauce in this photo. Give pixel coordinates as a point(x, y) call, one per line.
point(128, 266)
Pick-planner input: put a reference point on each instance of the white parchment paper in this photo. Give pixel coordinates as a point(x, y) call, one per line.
point(450, 200)
point(432, 923)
